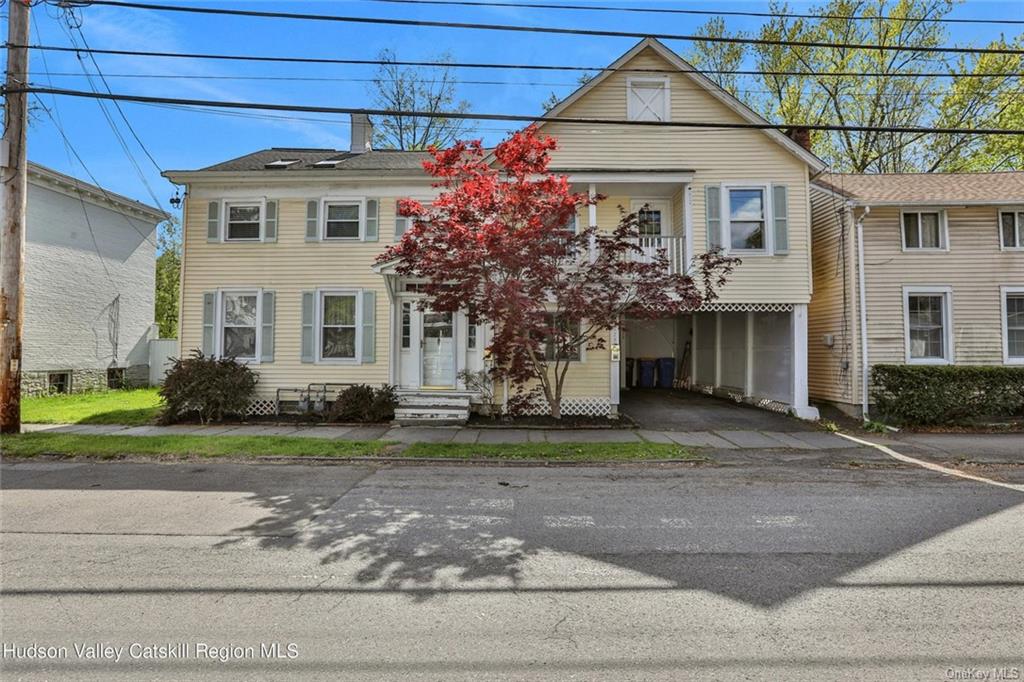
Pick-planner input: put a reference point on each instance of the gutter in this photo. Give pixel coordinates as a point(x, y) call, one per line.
point(863, 312)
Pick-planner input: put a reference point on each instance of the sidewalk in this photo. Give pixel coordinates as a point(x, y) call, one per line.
point(719, 440)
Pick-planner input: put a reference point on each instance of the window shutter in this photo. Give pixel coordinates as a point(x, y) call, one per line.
point(312, 224)
point(780, 224)
point(713, 215)
point(270, 223)
point(209, 321)
point(369, 326)
point(371, 220)
point(267, 328)
point(213, 222)
point(308, 301)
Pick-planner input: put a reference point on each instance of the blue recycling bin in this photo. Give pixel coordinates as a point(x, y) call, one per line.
point(666, 372)
point(647, 372)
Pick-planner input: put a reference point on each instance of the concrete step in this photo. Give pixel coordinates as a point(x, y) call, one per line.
point(433, 400)
point(433, 416)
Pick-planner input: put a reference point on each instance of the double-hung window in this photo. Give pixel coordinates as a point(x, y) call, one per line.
point(565, 327)
point(243, 221)
point(342, 219)
point(747, 211)
point(1011, 228)
point(928, 322)
point(924, 230)
point(339, 325)
point(1013, 324)
point(240, 318)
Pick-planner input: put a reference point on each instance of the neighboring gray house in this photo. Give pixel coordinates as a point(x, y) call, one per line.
point(90, 269)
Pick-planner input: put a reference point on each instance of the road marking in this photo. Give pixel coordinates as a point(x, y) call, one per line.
point(931, 465)
point(568, 521)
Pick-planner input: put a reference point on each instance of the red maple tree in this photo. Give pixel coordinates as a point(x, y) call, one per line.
point(498, 242)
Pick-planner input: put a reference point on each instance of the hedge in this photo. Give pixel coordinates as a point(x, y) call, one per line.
point(946, 394)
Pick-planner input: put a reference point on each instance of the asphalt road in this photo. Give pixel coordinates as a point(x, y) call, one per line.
point(782, 572)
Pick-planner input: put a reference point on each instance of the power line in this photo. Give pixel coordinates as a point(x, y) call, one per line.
point(496, 65)
point(474, 116)
point(706, 12)
point(548, 29)
point(329, 79)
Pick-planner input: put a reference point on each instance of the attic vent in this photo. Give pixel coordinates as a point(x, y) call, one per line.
point(328, 162)
point(281, 163)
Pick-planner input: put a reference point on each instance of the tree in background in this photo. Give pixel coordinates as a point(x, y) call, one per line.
point(426, 89)
point(499, 242)
point(898, 96)
point(554, 100)
point(168, 273)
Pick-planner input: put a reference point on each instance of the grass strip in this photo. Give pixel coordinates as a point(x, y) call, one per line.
point(114, 446)
point(134, 407)
point(557, 452)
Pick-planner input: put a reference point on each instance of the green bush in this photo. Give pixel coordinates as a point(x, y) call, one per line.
point(206, 387)
point(946, 394)
point(362, 403)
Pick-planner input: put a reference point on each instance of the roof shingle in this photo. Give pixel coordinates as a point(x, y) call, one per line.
point(919, 188)
point(384, 161)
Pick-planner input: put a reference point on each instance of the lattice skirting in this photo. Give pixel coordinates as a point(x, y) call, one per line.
point(574, 407)
point(261, 407)
point(730, 394)
point(747, 307)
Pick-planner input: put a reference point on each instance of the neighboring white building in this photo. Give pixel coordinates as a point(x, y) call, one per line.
point(90, 269)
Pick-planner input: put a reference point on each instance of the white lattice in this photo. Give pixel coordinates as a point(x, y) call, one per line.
point(747, 307)
point(573, 407)
point(261, 407)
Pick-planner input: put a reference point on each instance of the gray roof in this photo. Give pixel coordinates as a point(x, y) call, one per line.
point(940, 188)
point(384, 162)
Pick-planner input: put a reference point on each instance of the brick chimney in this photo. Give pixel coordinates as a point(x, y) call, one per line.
point(802, 136)
point(362, 134)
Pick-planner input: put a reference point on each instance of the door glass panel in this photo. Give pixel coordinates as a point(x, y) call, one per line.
point(438, 349)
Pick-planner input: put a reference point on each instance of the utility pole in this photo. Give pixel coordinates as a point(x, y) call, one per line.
point(14, 176)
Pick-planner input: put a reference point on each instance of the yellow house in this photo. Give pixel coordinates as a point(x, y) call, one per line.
point(917, 268)
point(280, 244)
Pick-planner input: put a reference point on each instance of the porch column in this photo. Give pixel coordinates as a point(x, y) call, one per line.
point(460, 333)
point(615, 367)
point(718, 348)
point(592, 218)
point(748, 379)
point(800, 406)
point(687, 225)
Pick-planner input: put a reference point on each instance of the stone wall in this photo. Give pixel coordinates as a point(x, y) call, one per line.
point(83, 380)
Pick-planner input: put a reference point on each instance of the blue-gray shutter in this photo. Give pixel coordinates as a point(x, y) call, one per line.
point(713, 215)
point(270, 223)
point(209, 322)
point(369, 330)
point(312, 224)
point(267, 328)
point(372, 208)
point(308, 302)
point(213, 222)
point(780, 223)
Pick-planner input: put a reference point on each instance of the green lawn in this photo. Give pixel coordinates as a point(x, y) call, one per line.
point(556, 452)
point(134, 407)
point(108, 447)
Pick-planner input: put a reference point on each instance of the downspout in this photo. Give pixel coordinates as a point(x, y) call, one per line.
point(863, 313)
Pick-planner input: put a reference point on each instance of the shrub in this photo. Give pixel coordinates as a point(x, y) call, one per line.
point(207, 387)
point(946, 394)
point(362, 403)
point(480, 382)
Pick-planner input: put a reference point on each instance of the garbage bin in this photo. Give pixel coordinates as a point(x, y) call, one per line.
point(630, 362)
point(666, 372)
point(647, 371)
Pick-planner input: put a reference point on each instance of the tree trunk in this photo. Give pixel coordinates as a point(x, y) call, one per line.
point(556, 408)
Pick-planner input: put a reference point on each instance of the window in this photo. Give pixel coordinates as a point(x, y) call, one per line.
point(1011, 229)
point(338, 322)
point(649, 221)
point(647, 99)
point(115, 377)
point(406, 325)
point(928, 329)
point(471, 333)
point(924, 230)
point(58, 382)
point(240, 324)
point(746, 214)
point(1013, 321)
point(243, 222)
point(341, 220)
point(565, 326)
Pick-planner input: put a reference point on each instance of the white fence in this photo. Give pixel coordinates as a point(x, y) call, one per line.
point(160, 353)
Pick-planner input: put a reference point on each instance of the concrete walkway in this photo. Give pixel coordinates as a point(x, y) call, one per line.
point(720, 440)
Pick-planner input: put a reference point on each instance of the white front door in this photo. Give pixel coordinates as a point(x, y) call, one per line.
point(437, 350)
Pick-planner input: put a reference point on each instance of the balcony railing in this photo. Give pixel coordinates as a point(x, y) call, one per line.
point(673, 246)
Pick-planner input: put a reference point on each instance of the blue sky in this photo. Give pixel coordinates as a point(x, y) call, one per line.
point(182, 139)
